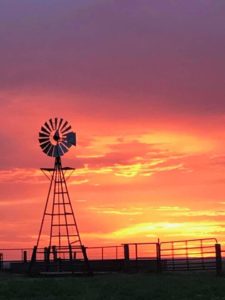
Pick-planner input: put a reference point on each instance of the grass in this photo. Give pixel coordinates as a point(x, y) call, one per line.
point(199, 286)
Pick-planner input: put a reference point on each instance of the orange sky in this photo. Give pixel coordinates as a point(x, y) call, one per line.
point(148, 110)
point(133, 182)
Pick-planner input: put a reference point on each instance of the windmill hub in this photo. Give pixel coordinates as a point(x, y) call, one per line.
point(56, 136)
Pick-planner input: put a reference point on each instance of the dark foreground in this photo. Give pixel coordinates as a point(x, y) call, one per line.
point(115, 287)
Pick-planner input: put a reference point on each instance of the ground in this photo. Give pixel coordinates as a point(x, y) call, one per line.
point(199, 286)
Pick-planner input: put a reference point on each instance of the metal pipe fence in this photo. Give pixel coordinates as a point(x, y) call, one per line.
point(194, 254)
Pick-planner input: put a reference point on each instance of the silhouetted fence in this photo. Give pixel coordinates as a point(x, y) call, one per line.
point(183, 255)
point(195, 254)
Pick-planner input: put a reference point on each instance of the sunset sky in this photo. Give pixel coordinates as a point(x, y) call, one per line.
point(142, 82)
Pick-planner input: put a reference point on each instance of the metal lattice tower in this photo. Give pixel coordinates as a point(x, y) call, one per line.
point(63, 232)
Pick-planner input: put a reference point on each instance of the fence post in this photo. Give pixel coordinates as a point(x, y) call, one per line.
point(218, 259)
point(46, 254)
point(86, 261)
point(126, 252)
point(1, 261)
point(158, 257)
point(47, 257)
point(70, 252)
point(25, 256)
point(34, 254)
point(47, 251)
point(126, 257)
point(33, 259)
point(54, 253)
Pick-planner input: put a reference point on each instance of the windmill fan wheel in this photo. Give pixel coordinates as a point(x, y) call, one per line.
point(56, 137)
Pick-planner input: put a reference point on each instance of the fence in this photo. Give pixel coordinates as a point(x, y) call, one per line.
point(195, 254)
point(183, 255)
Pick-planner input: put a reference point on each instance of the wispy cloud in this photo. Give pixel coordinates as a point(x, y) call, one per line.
point(19, 175)
point(129, 211)
point(171, 208)
point(18, 202)
point(165, 230)
point(179, 211)
point(78, 182)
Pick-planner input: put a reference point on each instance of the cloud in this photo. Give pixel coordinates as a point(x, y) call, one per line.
point(172, 209)
point(177, 211)
point(151, 58)
point(204, 229)
point(129, 211)
point(21, 175)
point(130, 156)
point(78, 182)
point(145, 154)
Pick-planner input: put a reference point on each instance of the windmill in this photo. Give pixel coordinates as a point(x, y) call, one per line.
point(63, 239)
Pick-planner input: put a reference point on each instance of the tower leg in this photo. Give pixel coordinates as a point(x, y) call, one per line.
point(87, 264)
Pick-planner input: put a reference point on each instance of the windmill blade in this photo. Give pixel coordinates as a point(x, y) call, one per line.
point(45, 145)
point(60, 124)
point(63, 148)
point(60, 151)
point(66, 144)
point(66, 129)
point(56, 123)
point(47, 125)
point(43, 140)
point(50, 149)
point(43, 129)
point(43, 135)
point(57, 151)
point(51, 123)
point(64, 125)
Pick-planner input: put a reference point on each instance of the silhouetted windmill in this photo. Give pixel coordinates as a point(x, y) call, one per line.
point(63, 240)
